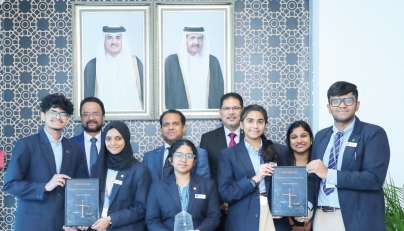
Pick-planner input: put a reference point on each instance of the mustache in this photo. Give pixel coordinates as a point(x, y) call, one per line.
point(92, 121)
point(195, 45)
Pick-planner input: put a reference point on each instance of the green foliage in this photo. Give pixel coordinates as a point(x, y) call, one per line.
point(394, 199)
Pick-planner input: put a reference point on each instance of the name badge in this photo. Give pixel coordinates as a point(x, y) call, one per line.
point(117, 182)
point(200, 196)
point(352, 144)
point(263, 201)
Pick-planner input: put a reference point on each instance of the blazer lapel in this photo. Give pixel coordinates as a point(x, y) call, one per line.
point(193, 189)
point(244, 157)
point(47, 151)
point(158, 161)
point(172, 190)
point(66, 156)
point(349, 152)
point(221, 138)
point(120, 176)
point(323, 144)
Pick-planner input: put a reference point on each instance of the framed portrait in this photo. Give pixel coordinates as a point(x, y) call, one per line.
point(111, 49)
point(194, 57)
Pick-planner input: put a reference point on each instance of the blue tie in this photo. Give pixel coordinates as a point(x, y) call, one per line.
point(333, 161)
point(93, 153)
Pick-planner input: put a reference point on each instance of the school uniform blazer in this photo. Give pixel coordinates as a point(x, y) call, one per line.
point(362, 174)
point(164, 203)
point(33, 165)
point(79, 139)
point(127, 207)
point(235, 170)
point(214, 142)
point(154, 160)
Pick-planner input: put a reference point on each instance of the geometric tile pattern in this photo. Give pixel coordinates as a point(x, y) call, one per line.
point(271, 69)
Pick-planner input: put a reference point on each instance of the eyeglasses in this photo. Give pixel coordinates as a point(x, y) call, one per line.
point(235, 108)
point(54, 114)
point(337, 102)
point(88, 114)
point(180, 155)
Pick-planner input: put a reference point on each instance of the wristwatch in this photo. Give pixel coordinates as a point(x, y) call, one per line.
point(253, 183)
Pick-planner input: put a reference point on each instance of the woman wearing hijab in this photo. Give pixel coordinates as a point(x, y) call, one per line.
point(124, 183)
point(183, 191)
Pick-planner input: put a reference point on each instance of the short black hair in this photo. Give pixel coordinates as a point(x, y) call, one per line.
point(172, 111)
point(56, 100)
point(177, 144)
point(231, 95)
point(254, 107)
point(95, 100)
point(342, 88)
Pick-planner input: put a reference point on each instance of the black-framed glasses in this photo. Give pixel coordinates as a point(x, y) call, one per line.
point(235, 108)
point(53, 114)
point(88, 114)
point(180, 155)
point(347, 101)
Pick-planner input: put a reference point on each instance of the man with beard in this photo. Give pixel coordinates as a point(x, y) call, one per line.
point(92, 114)
point(348, 168)
point(193, 77)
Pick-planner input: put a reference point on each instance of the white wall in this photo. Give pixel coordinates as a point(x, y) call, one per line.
point(362, 42)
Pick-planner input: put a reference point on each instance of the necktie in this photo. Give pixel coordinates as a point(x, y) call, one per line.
point(93, 153)
point(232, 141)
point(167, 168)
point(333, 161)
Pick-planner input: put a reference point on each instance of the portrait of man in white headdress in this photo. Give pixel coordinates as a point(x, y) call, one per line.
point(115, 75)
point(193, 77)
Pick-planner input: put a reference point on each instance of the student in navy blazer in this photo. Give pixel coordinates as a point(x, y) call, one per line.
point(124, 183)
point(39, 166)
point(92, 115)
point(173, 128)
point(361, 170)
point(241, 177)
point(201, 199)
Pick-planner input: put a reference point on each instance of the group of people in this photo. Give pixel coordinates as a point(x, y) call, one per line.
point(225, 184)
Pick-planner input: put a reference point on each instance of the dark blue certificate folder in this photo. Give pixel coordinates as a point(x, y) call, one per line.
point(81, 202)
point(289, 192)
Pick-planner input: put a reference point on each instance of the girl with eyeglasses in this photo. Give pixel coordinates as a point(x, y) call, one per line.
point(183, 191)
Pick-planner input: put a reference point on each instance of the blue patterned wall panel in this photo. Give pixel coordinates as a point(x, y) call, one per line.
point(271, 69)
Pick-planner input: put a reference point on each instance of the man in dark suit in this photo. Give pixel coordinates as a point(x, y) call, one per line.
point(92, 114)
point(173, 128)
point(39, 167)
point(348, 167)
point(223, 137)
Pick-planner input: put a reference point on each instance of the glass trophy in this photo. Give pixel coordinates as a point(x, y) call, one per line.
point(183, 222)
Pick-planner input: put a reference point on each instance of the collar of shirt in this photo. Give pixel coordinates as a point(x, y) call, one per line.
point(109, 58)
point(227, 132)
point(166, 146)
point(50, 137)
point(87, 137)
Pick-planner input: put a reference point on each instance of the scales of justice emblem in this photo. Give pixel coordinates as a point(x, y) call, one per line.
point(295, 202)
point(88, 211)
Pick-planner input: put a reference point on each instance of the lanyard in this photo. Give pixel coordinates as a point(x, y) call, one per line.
point(184, 204)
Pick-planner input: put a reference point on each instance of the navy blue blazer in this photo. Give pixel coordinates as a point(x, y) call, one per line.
point(79, 139)
point(154, 160)
point(235, 169)
point(33, 165)
point(127, 207)
point(361, 177)
point(164, 203)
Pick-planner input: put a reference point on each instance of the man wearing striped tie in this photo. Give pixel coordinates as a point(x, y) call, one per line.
point(348, 167)
point(231, 105)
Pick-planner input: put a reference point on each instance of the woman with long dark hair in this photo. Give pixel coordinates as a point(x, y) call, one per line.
point(183, 191)
point(245, 172)
point(299, 139)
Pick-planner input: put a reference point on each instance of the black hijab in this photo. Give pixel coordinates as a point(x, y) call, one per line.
point(106, 160)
